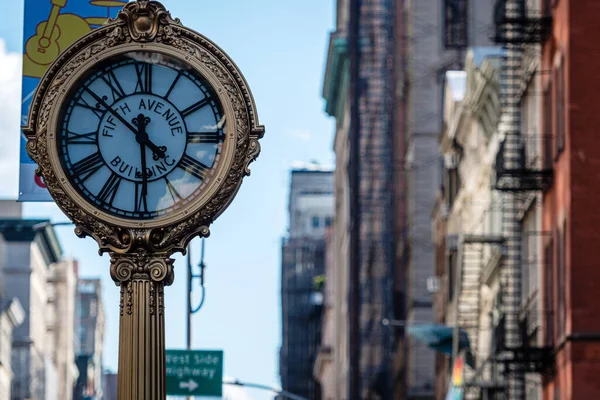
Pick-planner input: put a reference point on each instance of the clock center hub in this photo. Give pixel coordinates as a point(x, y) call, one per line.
point(152, 122)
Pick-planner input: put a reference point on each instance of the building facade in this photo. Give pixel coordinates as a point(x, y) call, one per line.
point(497, 171)
point(89, 339)
point(12, 315)
point(570, 218)
point(28, 248)
point(436, 35)
point(324, 366)
point(62, 285)
point(468, 219)
point(371, 197)
point(513, 224)
point(110, 380)
point(332, 366)
point(303, 279)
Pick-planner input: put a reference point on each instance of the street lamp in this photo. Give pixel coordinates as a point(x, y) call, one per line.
point(398, 322)
point(265, 387)
point(191, 276)
point(393, 322)
point(42, 225)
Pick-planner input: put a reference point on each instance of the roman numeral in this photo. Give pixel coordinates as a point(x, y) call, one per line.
point(141, 199)
point(81, 138)
point(110, 189)
point(193, 167)
point(195, 107)
point(173, 85)
point(84, 104)
point(144, 78)
point(205, 137)
point(115, 86)
point(174, 194)
point(88, 166)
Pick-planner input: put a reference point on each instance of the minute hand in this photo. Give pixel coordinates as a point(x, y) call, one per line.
point(160, 153)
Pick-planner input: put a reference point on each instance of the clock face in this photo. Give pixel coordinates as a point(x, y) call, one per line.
point(141, 135)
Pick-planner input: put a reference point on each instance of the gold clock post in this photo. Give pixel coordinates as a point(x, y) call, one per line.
point(142, 278)
point(141, 244)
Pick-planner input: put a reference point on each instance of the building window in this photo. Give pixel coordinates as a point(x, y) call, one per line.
point(451, 272)
point(315, 222)
point(549, 291)
point(452, 177)
point(455, 24)
point(547, 116)
point(327, 222)
point(561, 281)
point(560, 106)
point(530, 256)
point(453, 185)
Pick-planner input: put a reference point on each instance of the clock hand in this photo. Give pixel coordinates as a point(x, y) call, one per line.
point(158, 152)
point(141, 121)
point(144, 193)
point(102, 101)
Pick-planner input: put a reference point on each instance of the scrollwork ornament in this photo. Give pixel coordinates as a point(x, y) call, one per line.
point(121, 270)
point(122, 302)
point(129, 297)
point(152, 301)
point(161, 300)
point(161, 271)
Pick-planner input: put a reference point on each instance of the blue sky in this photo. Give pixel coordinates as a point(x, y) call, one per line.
point(280, 46)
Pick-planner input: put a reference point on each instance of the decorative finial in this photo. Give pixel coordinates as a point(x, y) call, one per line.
point(144, 18)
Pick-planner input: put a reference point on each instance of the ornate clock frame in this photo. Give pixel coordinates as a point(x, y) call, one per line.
point(141, 251)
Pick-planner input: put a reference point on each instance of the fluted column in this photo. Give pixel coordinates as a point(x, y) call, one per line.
point(142, 278)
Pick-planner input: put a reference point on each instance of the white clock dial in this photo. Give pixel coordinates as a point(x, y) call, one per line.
point(141, 136)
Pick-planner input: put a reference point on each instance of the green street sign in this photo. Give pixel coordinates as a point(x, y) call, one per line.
point(194, 373)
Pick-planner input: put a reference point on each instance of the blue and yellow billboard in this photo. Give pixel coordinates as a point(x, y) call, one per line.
point(50, 27)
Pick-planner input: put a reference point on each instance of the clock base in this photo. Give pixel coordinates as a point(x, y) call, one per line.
point(142, 278)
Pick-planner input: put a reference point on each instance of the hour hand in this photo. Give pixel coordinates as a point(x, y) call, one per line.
point(157, 151)
point(141, 136)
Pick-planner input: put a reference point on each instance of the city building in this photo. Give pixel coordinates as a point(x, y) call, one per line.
point(28, 249)
point(360, 90)
point(302, 278)
point(110, 380)
point(570, 87)
point(89, 339)
point(434, 37)
point(332, 365)
point(60, 317)
point(493, 250)
point(388, 120)
point(371, 166)
point(468, 219)
point(325, 363)
point(12, 315)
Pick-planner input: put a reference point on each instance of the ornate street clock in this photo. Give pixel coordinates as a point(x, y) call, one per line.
point(143, 131)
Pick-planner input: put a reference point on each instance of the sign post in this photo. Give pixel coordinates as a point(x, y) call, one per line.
point(194, 373)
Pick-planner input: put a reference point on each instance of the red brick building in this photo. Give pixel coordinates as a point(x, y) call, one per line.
point(571, 206)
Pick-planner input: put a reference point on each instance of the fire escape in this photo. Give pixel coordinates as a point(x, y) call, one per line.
point(473, 252)
point(524, 159)
point(519, 165)
point(376, 204)
point(523, 169)
point(471, 257)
